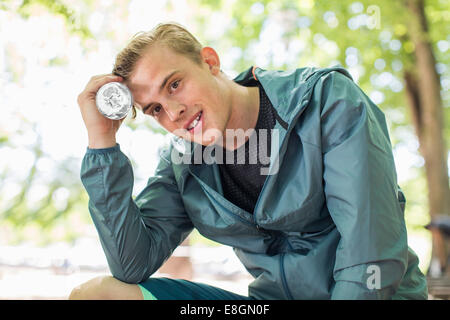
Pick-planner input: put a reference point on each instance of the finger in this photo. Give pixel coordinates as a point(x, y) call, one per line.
point(98, 76)
point(95, 84)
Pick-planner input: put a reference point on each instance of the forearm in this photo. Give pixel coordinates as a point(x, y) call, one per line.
point(108, 178)
point(101, 141)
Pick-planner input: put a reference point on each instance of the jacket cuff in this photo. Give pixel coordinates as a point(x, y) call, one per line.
point(104, 150)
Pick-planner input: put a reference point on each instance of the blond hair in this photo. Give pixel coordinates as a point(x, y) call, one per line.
point(172, 35)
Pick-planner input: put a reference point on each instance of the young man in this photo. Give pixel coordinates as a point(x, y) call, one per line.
point(323, 221)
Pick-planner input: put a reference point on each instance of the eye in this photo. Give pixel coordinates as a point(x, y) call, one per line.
point(155, 110)
point(174, 85)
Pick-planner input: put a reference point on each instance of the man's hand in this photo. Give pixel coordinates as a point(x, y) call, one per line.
point(101, 130)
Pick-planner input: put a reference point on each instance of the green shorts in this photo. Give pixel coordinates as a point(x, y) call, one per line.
point(178, 289)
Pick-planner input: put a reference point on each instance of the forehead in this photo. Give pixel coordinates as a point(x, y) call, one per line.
point(151, 69)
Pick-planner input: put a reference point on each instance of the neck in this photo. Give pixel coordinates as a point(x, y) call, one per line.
point(244, 115)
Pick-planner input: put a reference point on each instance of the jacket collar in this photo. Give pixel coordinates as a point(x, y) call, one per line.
point(289, 91)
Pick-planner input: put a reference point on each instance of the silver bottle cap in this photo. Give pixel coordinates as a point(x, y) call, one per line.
point(114, 100)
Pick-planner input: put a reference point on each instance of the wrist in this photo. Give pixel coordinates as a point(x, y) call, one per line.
point(114, 149)
point(101, 142)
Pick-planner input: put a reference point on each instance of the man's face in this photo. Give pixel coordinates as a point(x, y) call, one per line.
point(186, 98)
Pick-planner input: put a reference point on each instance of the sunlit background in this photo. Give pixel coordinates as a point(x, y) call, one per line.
point(50, 49)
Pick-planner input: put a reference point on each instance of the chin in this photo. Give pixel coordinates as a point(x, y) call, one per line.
point(211, 136)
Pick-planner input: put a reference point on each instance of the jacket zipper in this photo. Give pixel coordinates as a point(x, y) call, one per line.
point(288, 131)
point(283, 278)
point(304, 102)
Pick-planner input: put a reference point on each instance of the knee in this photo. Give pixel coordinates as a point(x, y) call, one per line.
point(94, 289)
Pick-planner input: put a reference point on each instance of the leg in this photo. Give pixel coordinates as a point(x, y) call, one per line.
point(180, 289)
point(106, 288)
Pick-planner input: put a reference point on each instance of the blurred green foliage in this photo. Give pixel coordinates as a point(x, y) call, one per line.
point(74, 21)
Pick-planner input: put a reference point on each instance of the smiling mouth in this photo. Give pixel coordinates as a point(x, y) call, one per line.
point(195, 122)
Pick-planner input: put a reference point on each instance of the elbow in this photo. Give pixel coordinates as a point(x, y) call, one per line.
point(130, 276)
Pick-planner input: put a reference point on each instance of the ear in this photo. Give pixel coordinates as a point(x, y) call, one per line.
point(211, 58)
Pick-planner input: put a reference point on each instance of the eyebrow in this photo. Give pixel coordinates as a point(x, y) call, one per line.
point(163, 84)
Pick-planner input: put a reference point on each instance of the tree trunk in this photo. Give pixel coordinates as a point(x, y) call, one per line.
point(424, 98)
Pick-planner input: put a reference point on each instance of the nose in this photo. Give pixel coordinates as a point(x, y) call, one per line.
point(174, 110)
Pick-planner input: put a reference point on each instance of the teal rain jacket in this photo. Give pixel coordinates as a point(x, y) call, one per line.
point(328, 224)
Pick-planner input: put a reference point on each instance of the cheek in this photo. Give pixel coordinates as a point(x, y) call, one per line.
point(214, 103)
point(166, 123)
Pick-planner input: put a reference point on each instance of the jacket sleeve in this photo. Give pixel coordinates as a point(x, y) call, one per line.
point(360, 184)
point(138, 235)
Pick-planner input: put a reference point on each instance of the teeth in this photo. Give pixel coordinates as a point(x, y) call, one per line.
point(195, 122)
